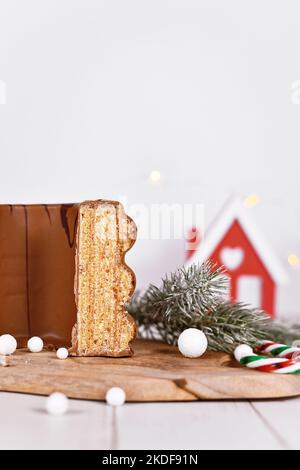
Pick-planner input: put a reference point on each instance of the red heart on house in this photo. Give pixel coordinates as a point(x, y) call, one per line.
point(232, 258)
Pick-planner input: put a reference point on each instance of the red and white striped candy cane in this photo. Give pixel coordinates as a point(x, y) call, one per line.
point(278, 349)
point(276, 365)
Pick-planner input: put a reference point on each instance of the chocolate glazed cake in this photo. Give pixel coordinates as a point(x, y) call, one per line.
point(38, 244)
point(103, 282)
point(37, 265)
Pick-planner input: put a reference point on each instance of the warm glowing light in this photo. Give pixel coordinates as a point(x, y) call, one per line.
point(154, 177)
point(252, 200)
point(293, 259)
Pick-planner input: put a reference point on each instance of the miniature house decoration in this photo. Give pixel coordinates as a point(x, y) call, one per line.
point(233, 241)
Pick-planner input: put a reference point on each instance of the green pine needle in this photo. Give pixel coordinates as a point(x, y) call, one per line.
point(193, 298)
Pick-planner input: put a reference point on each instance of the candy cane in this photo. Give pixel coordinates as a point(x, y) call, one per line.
point(274, 365)
point(277, 349)
point(277, 365)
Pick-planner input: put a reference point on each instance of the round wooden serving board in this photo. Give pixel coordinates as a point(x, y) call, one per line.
point(156, 372)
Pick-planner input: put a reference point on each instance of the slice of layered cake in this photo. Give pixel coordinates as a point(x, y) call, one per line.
point(103, 282)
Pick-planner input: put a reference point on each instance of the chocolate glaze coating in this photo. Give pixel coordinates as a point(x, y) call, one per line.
point(37, 265)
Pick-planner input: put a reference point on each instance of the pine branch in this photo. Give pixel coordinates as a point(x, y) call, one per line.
point(188, 291)
point(192, 298)
point(233, 324)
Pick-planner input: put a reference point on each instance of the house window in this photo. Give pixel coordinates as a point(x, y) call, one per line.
point(249, 290)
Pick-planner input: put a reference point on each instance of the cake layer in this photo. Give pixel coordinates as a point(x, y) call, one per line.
point(37, 265)
point(103, 282)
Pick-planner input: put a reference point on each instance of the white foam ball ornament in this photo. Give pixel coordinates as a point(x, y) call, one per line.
point(57, 404)
point(241, 351)
point(8, 345)
point(192, 343)
point(35, 344)
point(115, 396)
point(62, 353)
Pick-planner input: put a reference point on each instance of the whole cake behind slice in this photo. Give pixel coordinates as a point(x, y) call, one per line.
point(103, 282)
point(37, 264)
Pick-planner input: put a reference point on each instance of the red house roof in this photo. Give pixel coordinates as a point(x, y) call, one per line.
point(235, 211)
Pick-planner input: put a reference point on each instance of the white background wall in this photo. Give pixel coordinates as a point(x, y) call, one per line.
point(99, 93)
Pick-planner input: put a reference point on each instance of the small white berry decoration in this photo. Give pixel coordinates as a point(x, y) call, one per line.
point(192, 343)
point(35, 344)
point(115, 396)
point(62, 353)
point(57, 404)
point(8, 345)
point(242, 351)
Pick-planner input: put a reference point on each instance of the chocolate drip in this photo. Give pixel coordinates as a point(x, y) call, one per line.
point(64, 220)
point(27, 271)
point(48, 213)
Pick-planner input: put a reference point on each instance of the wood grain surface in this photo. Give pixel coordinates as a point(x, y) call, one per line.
point(156, 372)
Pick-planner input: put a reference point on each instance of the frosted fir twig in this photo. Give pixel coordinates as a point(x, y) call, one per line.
point(193, 298)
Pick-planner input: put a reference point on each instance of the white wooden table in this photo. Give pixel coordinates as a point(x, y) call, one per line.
point(202, 425)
